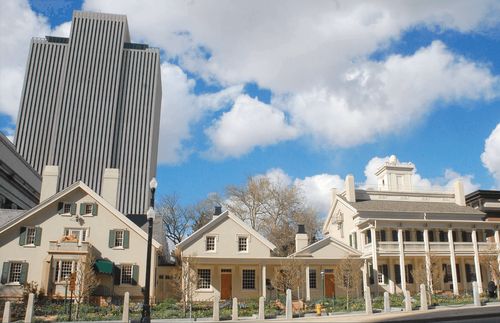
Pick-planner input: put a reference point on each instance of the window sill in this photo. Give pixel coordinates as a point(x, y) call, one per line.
point(66, 214)
point(118, 248)
point(210, 251)
point(88, 215)
point(29, 246)
point(13, 284)
point(205, 290)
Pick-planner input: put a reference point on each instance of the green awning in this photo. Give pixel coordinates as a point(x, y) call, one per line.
point(104, 266)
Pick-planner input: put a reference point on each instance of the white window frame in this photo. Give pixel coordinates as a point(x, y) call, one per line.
point(88, 205)
point(215, 243)
point(118, 245)
point(30, 231)
point(122, 270)
point(81, 236)
point(58, 277)
point(198, 279)
point(311, 270)
point(254, 278)
point(246, 243)
point(11, 265)
point(65, 204)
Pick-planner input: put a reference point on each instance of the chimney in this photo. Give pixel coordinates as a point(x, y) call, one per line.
point(350, 192)
point(459, 193)
point(217, 211)
point(333, 191)
point(301, 240)
point(50, 179)
point(110, 182)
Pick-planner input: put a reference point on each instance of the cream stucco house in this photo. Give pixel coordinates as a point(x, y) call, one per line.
point(48, 242)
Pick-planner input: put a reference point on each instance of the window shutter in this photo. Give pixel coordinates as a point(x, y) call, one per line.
point(126, 238)
point(382, 235)
point(111, 243)
point(350, 240)
point(73, 209)
point(372, 279)
point(82, 208)
point(5, 272)
point(38, 236)
point(397, 271)
point(355, 240)
point(117, 273)
point(135, 275)
point(22, 236)
point(60, 206)
point(24, 273)
point(94, 209)
point(385, 270)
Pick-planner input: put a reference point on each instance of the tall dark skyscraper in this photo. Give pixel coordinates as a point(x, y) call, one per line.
point(92, 101)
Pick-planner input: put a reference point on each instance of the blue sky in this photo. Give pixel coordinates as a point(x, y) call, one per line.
point(306, 92)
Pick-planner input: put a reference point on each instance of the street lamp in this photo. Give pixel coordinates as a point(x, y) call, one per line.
point(323, 285)
point(146, 309)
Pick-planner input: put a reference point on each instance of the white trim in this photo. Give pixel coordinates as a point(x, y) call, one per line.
point(332, 209)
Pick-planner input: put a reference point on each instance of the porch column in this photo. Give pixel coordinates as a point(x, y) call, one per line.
point(392, 278)
point(476, 261)
point(427, 250)
point(463, 275)
point(497, 241)
point(264, 289)
point(453, 264)
point(308, 289)
point(402, 268)
point(374, 258)
point(365, 274)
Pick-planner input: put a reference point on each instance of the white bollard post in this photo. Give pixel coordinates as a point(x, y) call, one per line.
point(126, 302)
point(423, 298)
point(215, 315)
point(6, 313)
point(475, 291)
point(368, 301)
point(387, 302)
point(29, 308)
point(235, 309)
point(288, 308)
point(407, 301)
point(262, 309)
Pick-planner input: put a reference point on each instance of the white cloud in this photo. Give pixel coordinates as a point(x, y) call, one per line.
point(491, 155)
point(181, 108)
point(248, 124)
point(317, 190)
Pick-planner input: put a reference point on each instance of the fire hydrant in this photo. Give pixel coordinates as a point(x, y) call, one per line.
point(318, 309)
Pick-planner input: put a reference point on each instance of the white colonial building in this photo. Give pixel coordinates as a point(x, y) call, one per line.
point(399, 228)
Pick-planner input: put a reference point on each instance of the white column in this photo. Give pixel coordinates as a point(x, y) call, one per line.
point(463, 276)
point(264, 289)
point(402, 268)
point(453, 264)
point(308, 289)
point(428, 260)
point(374, 258)
point(476, 261)
point(365, 274)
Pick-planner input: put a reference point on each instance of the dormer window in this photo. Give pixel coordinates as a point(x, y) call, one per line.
point(210, 243)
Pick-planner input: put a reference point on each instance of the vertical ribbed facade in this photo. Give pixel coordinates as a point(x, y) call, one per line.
point(94, 100)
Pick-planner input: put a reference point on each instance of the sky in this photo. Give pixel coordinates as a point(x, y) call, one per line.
point(304, 92)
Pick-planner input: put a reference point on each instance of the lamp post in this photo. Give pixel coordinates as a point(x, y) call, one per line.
point(323, 285)
point(146, 310)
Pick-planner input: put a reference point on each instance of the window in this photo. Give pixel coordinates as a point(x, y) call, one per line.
point(394, 235)
point(67, 208)
point(126, 276)
point(383, 274)
point(420, 235)
point(64, 268)
point(466, 236)
point(397, 272)
point(242, 244)
point(248, 279)
point(80, 234)
point(443, 236)
point(30, 235)
point(119, 238)
point(409, 274)
point(88, 209)
point(204, 278)
point(382, 235)
point(431, 236)
point(407, 235)
point(15, 272)
point(210, 243)
point(470, 274)
point(368, 237)
point(312, 278)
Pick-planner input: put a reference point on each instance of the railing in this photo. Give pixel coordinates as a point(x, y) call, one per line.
point(434, 247)
point(414, 246)
point(68, 247)
point(439, 247)
point(388, 246)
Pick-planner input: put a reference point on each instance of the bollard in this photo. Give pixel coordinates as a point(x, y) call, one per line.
point(262, 310)
point(216, 316)
point(126, 301)
point(6, 313)
point(235, 309)
point(475, 291)
point(423, 298)
point(29, 308)
point(368, 301)
point(387, 302)
point(288, 308)
point(407, 301)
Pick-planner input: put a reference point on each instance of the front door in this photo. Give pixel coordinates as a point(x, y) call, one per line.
point(226, 284)
point(329, 283)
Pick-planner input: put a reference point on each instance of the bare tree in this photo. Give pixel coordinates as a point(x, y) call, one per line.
point(86, 280)
point(419, 274)
point(185, 279)
point(348, 276)
point(202, 212)
point(289, 275)
point(176, 218)
point(490, 258)
point(436, 272)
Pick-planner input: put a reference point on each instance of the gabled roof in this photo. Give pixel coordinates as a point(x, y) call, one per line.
point(340, 200)
point(215, 222)
point(307, 251)
point(91, 193)
point(7, 215)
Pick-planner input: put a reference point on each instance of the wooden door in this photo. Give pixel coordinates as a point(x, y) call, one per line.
point(329, 285)
point(226, 285)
